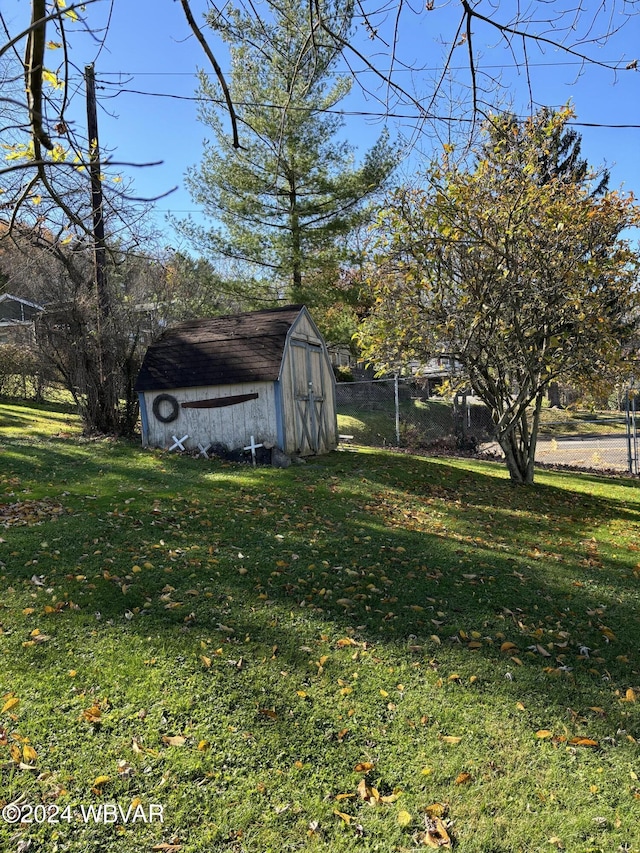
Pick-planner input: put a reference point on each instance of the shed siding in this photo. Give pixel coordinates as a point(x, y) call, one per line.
point(230, 425)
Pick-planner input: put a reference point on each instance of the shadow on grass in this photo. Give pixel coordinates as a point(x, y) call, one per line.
point(390, 550)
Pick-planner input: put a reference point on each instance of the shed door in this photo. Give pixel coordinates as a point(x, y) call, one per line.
point(309, 397)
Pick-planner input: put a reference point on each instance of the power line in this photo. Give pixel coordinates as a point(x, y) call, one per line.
point(621, 63)
point(353, 113)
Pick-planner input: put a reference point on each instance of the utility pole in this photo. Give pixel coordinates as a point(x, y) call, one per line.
point(100, 253)
point(102, 398)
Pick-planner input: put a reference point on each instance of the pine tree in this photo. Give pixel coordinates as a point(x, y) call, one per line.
point(285, 204)
point(559, 148)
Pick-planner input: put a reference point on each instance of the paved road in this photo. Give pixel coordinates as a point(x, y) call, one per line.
point(600, 451)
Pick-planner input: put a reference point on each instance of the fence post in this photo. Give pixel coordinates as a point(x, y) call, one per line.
point(632, 432)
point(397, 403)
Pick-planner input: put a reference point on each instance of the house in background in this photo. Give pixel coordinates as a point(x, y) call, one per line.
point(221, 381)
point(17, 320)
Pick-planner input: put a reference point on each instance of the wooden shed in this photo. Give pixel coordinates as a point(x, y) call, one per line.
point(265, 374)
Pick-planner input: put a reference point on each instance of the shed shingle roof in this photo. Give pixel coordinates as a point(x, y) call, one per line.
point(220, 351)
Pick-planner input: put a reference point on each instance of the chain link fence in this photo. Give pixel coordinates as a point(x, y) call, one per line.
point(401, 413)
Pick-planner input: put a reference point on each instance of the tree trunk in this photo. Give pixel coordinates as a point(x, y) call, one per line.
point(519, 445)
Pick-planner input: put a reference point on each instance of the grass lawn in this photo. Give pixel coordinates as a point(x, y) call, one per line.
point(354, 654)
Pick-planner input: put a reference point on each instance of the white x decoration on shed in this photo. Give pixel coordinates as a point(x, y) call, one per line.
point(264, 374)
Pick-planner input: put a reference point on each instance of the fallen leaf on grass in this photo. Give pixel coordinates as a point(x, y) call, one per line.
point(101, 780)
point(347, 641)
point(368, 794)
point(437, 810)
point(10, 703)
point(345, 817)
point(363, 767)
point(584, 741)
point(463, 778)
point(92, 715)
point(452, 739)
point(268, 712)
point(404, 818)
point(175, 740)
point(435, 835)
point(543, 734)
point(29, 754)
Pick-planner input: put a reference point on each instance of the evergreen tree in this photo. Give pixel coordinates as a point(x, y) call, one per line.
point(558, 147)
point(286, 202)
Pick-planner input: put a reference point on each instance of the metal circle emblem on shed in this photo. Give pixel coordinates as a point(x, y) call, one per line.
point(173, 413)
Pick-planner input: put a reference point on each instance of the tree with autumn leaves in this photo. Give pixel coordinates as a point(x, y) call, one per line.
point(520, 277)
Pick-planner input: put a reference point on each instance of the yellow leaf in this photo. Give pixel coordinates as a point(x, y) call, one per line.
point(463, 778)
point(437, 810)
point(436, 639)
point(543, 734)
point(29, 754)
point(52, 79)
point(175, 740)
point(404, 818)
point(390, 798)
point(630, 695)
point(101, 780)
point(205, 660)
point(10, 703)
point(339, 797)
point(520, 706)
point(92, 714)
point(508, 647)
point(450, 739)
point(384, 694)
point(363, 767)
point(345, 817)
point(203, 745)
point(347, 641)
point(28, 611)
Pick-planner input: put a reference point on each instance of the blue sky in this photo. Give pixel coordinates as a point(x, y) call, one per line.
point(149, 50)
